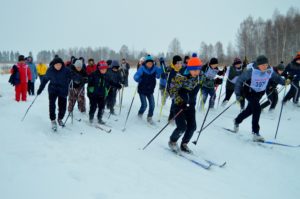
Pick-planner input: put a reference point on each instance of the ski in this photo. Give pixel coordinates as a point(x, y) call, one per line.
point(102, 128)
point(195, 162)
point(267, 141)
point(215, 164)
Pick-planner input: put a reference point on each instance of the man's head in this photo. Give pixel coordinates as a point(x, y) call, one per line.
point(262, 63)
point(194, 65)
point(149, 61)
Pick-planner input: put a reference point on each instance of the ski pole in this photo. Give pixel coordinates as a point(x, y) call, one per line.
point(219, 115)
point(266, 98)
point(121, 102)
point(157, 97)
point(129, 109)
point(195, 142)
point(162, 129)
point(73, 107)
point(163, 102)
point(29, 108)
point(280, 113)
point(220, 94)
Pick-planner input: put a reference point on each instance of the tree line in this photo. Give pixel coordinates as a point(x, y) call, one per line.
point(278, 38)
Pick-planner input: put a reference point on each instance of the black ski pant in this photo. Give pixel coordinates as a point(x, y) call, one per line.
point(294, 93)
point(253, 108)
point(30, 88)
point(96, 102)
point(272, 99)
point(228, 95)
point(111, 99)
point(186, 124)
point(62, 106)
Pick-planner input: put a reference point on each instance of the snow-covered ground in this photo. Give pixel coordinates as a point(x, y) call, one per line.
point(83, 162)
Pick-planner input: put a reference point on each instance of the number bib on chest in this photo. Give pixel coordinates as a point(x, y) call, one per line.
point(259, 80)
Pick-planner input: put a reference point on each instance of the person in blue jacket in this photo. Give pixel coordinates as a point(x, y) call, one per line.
point(34, 75)
point(146, 79)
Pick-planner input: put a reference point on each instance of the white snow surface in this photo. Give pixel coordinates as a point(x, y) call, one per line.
point(83, 162)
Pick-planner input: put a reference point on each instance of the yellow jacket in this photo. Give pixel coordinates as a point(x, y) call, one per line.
point(41, 69)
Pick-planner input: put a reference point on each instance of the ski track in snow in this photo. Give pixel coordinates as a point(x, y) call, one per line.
point(80, 161)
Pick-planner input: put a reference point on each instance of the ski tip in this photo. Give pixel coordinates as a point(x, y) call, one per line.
point(194, 142)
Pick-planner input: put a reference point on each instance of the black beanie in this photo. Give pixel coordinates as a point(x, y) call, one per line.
point(280, 67)
point(21, 58)
point(261, 60)
point(176, 59)
point(213, 61)
point(57, 60)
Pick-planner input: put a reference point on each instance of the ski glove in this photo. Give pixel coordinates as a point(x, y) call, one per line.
point(287, 82)
point(239, 98)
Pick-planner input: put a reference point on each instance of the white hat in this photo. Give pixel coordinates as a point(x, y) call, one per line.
point(78, 63)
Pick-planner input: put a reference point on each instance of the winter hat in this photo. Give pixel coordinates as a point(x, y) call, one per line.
point(78, 63)
point(142, 59)
point(91, 59)
point(176, 59)
point(115, 64)
point(21, 58)
point(237, 61)
point(261, 60)
point(57, 60)
point(213, 61)
point(194, 63)
point(297, 56)
point(102, 65)
point(185, 59)
point(148, 58)
point(109, 62)
point(280, 67)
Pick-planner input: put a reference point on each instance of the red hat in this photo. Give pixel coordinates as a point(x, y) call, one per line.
point(194, 63)
point(297, 56)
point(102, 65)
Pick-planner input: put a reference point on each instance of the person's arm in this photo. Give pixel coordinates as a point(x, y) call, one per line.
point(175, 86)
point(138, 74)
point(44, 82)
point(245, 76)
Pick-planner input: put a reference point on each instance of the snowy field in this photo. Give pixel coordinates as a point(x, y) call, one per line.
point(82, 162)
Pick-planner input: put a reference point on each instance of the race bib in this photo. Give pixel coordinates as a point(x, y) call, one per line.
point(259, 79)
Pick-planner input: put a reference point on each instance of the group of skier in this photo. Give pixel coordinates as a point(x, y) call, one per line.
point(181, 81)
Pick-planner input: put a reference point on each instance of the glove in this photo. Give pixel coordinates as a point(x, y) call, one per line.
point(39, 92)
point(119, 86)
point(287, 82)
point(239, 98)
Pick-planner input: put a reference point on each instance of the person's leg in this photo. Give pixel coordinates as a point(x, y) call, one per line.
point(191, 126)
point(274, 99)
point(245, 113)
point(228, 94)
point(150, 98)
point(291, 93)
point(256, 110)
point(81, 100)
point(18, 92)
point(180, 126)
point(212, 94)
point(52, 106)
point(62, 106)
point(24, 91)
point(143, 104)
point(72, 99)
point(101, 106)
point(93, 107)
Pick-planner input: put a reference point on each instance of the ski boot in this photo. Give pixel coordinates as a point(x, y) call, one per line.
point(60, 123)
point(184, 147)
point(257, 138)
point(150, 120)
point(235, 126)
point(174, 147)
point(53, 125)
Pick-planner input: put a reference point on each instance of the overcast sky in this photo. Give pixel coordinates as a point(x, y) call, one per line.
point(51, 24)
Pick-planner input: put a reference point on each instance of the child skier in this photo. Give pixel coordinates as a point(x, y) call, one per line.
point(146, 78)
point(183, 90)
point(34, 75)
point(114, 75)
point(209, 73)
point(76, 91)
point(59, 77)
point(98, 86)
point(255, 81)
point(233, 74)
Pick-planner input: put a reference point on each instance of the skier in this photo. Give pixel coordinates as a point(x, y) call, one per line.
point(176, 67)
point(125, 71)
point(254, 82)
point(233, 74)
point(271, 90)
point(145, 76)
point(34, 75)
point(76, 91)
point(209, 71)
point(20, 76)
point(183, 90)
point(163, 80)
point(114, 75)
point(98, 86)
point(292, 71)
point(59, 77)
point(140, 63)
point(185, 60)
point(91, 67)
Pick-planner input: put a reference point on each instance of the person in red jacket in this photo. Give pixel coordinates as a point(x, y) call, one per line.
point(23, 74)
point(91, 67)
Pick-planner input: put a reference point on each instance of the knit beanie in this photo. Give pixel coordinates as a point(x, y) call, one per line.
point(237, 61)
point(194, 63)
point(261, 60)
point(148, 58)
point(176, 59)
point(78, 63)
point(102, 65)
point(213, 61)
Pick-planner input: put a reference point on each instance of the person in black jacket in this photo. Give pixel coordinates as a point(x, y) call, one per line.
point(114, 75)
point(183, 90)
point(292, 72)
point(233, 74)
point(125, 71)
point(271, 91)
point(76, 91)
point(98, 86)
point(59, 77)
